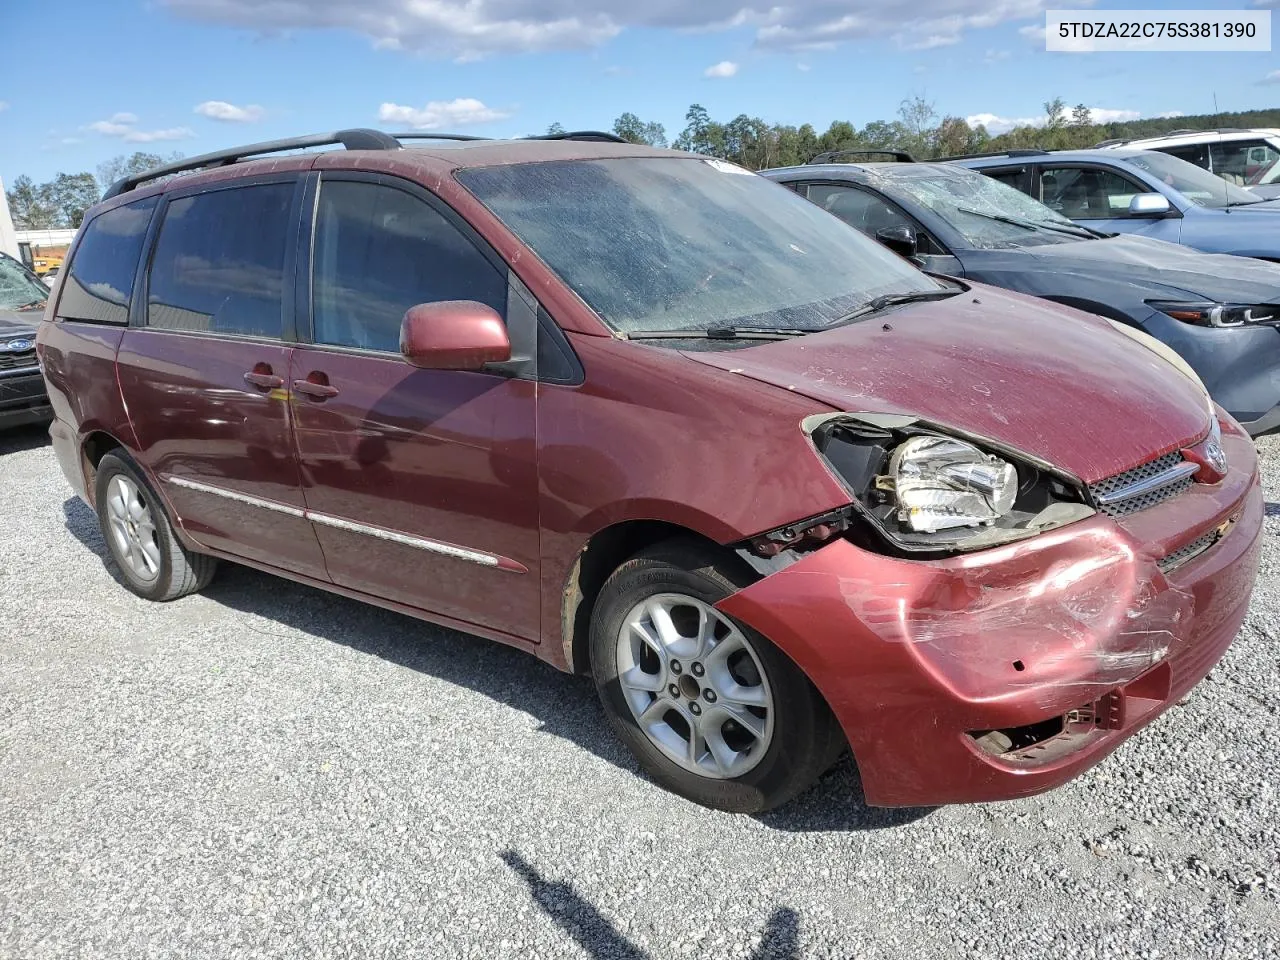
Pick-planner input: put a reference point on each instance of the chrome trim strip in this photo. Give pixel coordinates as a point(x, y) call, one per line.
point(19, 371)
point(238, 497)
point(421, 543)
point(341, 523)
point(1150, 484)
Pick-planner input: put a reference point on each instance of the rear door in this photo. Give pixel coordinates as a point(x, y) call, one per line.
point(202, 369)
point(422, 484)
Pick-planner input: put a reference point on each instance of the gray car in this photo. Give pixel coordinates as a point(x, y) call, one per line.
point(22, 392)
point(1221, 313)
point(1142, 192)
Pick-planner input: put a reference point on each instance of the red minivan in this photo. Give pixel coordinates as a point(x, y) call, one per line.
point(649, 416)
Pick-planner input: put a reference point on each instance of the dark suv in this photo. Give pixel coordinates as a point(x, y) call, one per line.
point(647, 415)
point(22, 299)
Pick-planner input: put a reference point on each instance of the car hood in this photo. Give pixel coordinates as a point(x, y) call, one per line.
point(1061, 385)
point(1164, 267)
point(15, 324)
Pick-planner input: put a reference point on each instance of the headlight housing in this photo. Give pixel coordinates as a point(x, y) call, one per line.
point(1209, 314)
point(925, 489)
point(940, 483)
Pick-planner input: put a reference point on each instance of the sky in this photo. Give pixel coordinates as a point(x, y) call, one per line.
point(98, 78)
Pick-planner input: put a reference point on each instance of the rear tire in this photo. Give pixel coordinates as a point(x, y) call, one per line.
point(140, 538)
point(710, 708)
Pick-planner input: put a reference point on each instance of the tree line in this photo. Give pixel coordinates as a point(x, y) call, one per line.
point(61, 203)
point(749, 141)
point(917, 129)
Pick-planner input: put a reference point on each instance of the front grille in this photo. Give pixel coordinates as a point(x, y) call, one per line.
point(16, 361)
point(1145, 471)
point(1189, 552)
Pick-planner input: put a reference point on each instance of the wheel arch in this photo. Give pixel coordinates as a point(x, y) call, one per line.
point(93, 447)
point(605, 551)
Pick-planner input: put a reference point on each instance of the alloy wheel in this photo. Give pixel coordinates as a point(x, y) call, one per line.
point(695, 686)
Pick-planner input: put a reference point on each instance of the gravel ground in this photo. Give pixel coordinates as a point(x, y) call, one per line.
point(268, 771)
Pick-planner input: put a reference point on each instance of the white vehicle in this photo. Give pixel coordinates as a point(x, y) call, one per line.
point(1247, 158)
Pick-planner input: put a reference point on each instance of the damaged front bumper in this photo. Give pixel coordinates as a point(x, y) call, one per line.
point(1006, 672)
point(22, 398)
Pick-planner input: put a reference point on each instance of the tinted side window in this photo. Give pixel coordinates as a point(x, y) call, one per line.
point(380, 251)
point(219, 262)
point(99, 282)
point(1243, 161)
point(861, 210)
point(1016, 177)
point(1197, 153)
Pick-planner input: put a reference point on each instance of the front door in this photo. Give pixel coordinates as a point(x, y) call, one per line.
point(421, 484)
point(1099, 197)
point(204, 375)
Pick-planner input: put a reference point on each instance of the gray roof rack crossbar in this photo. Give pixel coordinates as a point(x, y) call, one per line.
point(357, 139)
point(998, 153)
point(901, 156)
point(596, 136)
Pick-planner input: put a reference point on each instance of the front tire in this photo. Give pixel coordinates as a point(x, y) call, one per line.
point(140, 539)
point(710, 708)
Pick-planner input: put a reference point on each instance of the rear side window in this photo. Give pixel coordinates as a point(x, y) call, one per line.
point(1016, 177)
point(380, 251)
point(219, 262)
point(99, 283)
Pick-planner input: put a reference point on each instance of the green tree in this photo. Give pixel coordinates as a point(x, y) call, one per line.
point(1081, 116)
point(130, 166)
point(917, 117)
point(555, 130)
point(1055, 111)
point(32, 206)
point(71, 195)
point(634, 130)
point(701, 134)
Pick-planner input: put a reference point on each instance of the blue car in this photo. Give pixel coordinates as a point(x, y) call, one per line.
point(1142, 192)
point(1221, 314)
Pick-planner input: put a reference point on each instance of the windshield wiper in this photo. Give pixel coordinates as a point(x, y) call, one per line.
point(33, 303)
point(720, 333)
point(893, 300)
point(1072, 229)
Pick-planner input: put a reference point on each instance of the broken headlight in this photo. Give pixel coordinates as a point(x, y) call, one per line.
point(925, 490)
point(940, 483)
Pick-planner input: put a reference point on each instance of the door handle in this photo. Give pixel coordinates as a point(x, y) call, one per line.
point(264, 381)
point(316, 391)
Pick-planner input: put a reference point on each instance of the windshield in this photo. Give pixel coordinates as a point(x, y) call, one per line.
point(1198, 185)
point(18, 287)
point(970, 202)
point(663, 243)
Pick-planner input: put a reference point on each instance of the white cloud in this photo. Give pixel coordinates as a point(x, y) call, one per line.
point(1035, 34)
point(997, 124)
point(229, 112)
point(439, 114)
point(4, 105)
point(724, 69)
point(122, 125)
point(1271, 78)
point(1170, 115)
point(803, 67)
point(995, 56)
point(467, 29)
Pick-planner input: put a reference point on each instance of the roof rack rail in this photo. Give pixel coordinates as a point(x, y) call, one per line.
point(355, 139)
point(1029, 152)
point(412, 135)
point(1113, 142)
point(591, 136)
point(901, 156)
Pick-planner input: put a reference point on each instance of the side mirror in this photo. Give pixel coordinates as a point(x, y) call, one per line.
point(453, 335)
point(1149, 205)
point(901, 239)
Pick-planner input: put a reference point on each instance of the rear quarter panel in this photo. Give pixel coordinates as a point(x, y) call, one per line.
point(79, 372)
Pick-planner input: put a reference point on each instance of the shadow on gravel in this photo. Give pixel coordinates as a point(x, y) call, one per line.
point(565, 705)
point(592, 931)
point(20, 439)
point(1271, 509)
